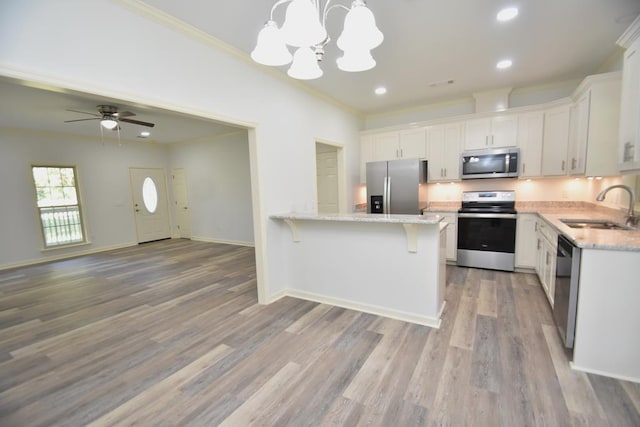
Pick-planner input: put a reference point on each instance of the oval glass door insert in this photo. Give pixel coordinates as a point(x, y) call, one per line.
point(150, 194)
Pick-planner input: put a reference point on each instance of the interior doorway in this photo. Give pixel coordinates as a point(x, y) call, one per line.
point(329, 178)
point(150, 208)
point(181, 201)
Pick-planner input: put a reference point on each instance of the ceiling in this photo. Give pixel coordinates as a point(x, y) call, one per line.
point(429, 41)
point(45, 110)
point(425, 42)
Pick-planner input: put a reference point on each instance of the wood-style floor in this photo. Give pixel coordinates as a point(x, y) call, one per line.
point(169, 333)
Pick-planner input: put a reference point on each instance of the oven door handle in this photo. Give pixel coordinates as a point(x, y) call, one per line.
point(487, 215)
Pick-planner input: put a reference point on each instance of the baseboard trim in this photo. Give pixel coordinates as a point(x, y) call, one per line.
point(223, 241)
point(275, 297)
point(604, 373)
point(365, 308)
point(66, 256)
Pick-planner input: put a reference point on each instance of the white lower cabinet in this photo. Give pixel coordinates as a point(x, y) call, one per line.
point(526, 249)
point(547, 245)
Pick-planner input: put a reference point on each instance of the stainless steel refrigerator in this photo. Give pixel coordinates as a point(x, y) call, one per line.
point(393, 187)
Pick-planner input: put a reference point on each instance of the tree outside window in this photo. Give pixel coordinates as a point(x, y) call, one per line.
point(57, 199)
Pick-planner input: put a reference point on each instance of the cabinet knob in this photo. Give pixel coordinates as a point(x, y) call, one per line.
point(563, 164)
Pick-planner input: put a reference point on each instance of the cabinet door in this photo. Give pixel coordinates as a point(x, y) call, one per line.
point(629, 145)
point(550, 271)
point(436, 150)
point(555, 141)
point(386, 146)
point(412, 144)
point(579, 133)
point(451, 157)
point(526, 242)
point(504, 131)
point(530, 127)
point(443, 143)
point(477, 134)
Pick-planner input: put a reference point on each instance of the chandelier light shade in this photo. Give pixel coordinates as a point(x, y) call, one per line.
point(302, 25)
point(271, 49)
point(360, 30)
point(305, 65)
point(356, 60)
point(304, 28)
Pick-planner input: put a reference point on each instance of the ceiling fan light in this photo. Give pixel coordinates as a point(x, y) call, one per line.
point(108, 123)
point(356, 60)
point(360, 30)
point(270, 49)
point(302, 25)
point(305, 65)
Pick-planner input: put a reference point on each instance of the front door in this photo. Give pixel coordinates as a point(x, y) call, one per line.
point(149, 191)
point(183, 220)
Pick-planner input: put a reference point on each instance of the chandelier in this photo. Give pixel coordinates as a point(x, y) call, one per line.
point(304, 29)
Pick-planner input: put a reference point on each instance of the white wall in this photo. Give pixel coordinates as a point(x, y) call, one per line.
point(218, 187)
point(218, 182)
point(59, 43)
point(103, 177)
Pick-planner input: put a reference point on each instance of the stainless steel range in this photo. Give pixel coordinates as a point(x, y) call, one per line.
point(487, 230)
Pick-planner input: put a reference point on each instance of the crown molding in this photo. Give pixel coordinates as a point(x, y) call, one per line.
point(169, 21)
point(630, 34)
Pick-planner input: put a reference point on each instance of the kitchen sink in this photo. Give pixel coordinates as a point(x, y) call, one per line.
point(594, 224)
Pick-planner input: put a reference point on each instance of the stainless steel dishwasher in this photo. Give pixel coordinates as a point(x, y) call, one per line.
point(565, 303)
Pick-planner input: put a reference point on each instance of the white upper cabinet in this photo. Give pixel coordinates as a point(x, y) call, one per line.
point(555, 141)
point(594, 127)
point(386, 146)
point(412, 144)
point(530, 129)
point(404, 144)
point(629, 136)
point(491, 132)
point(443, 142)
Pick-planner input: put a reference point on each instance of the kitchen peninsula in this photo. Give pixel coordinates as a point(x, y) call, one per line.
point(389, 265)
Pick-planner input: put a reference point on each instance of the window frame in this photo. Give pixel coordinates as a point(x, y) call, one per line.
point(79, 205)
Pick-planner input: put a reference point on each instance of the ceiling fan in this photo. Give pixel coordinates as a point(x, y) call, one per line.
point(110, 117)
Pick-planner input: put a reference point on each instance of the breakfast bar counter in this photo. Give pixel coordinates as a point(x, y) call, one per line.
point(389, 265)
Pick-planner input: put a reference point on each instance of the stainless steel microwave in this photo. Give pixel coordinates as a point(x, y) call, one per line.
point(492, 163)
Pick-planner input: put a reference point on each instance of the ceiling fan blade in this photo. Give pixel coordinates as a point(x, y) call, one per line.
point(81, 120)
point(126, 114)
point(137, 122)
point(83, 112)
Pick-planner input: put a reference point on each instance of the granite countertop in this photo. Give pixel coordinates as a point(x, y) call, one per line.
point(362, 217)
point(553, 212)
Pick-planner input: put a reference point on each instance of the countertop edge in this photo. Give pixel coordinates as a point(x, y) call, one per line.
point(428, 219)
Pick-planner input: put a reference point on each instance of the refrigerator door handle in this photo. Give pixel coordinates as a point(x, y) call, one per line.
point(385, 196)
point(388, 199)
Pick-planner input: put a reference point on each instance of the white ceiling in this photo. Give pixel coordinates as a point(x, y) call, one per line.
point(45, 110)
point(425, 41)
point(434, 40)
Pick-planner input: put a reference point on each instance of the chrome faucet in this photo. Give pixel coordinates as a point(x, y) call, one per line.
point(631, 219)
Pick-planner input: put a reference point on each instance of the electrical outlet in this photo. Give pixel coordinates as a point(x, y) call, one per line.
point(565, 194)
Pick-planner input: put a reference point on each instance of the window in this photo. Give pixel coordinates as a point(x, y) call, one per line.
point(57, 197)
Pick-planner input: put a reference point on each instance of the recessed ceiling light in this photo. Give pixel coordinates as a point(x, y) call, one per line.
point(380, 90)
point(507, 14)
point(144, 134)
point(505, 63)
